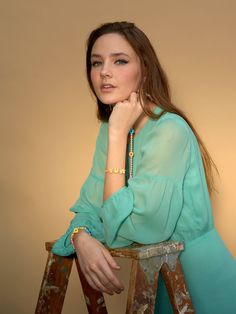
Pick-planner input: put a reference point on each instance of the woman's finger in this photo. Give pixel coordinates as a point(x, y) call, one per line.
point(106, 277)
point(97, 282)
point(91, 282)
point(110, 259)
point(133, 98)
point(97, 268)
point(107, 270)
point(96, 278)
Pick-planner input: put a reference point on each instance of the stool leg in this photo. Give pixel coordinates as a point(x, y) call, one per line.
point(54, 284)
point(94, 299)
point(142, 287)
point(176, 288)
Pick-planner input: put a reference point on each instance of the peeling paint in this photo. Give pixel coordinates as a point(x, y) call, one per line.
point(54, 284)
point(142, 309)
point(185, 310)
point(100, 301)
point(155, 263)
point(87, 300)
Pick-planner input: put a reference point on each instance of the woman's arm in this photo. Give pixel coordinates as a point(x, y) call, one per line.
point(122, 119)
point(95, 260)
point(88, 205)
point(148, 209)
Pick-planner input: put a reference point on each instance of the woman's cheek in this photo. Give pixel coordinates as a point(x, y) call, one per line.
point(132, 79)
point(94, 79)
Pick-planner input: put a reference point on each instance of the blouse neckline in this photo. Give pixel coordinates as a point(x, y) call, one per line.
point(148, 123)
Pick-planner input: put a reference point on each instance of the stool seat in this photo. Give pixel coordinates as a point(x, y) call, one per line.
point(147, 262)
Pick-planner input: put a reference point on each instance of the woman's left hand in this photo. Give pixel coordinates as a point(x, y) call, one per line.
point(97, 264)
point(124, 115)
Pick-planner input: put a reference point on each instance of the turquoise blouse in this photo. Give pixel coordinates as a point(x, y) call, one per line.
point(167, 199)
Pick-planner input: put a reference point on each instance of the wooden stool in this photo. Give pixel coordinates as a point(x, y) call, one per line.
point(147, 261)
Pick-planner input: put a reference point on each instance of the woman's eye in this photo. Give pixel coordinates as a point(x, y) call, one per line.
point(96, 63)
point(121, 61)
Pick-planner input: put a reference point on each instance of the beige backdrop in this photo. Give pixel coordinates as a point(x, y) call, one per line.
point(48, 123)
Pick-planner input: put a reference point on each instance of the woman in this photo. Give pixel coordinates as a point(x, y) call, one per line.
point(150, 179)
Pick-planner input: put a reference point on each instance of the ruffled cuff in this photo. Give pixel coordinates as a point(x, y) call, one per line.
point(63, 246)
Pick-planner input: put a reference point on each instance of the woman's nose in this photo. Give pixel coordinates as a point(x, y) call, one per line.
point(106, 71)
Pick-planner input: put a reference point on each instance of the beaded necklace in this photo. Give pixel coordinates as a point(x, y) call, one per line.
point(131, 152)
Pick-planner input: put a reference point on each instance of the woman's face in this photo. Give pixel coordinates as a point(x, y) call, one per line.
point(115, 68)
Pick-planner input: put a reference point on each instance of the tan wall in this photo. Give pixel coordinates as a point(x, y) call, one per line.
point(48, 125)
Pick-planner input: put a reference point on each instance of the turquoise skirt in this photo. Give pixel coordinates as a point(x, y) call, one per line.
point(210, 274)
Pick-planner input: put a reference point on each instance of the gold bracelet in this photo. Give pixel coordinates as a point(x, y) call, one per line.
point(77, 230)
point(115, 170)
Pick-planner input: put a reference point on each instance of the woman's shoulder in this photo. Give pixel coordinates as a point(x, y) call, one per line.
point(172, 125)
point(174, 120)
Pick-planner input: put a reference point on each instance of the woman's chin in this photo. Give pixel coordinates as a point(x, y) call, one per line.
point(112, 101)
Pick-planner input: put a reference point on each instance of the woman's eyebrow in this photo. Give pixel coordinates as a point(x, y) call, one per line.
point(114, 54)
point(117, 54)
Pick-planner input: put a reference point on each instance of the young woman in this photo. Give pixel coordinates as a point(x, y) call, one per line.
point(150, 179)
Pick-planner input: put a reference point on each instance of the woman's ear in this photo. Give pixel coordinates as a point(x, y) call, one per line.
point(144, 74)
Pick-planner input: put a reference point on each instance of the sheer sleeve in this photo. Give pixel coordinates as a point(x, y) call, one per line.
point(88, 205)
point(148, 208)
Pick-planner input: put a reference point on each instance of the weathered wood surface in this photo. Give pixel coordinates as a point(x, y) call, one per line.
point(94, 299)
point(142, 287)
point(54, 284)
point(177, 289)
point(140, 251)
point(147, 261)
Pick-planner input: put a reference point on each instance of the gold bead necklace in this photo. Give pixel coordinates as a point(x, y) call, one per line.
point(131, 152)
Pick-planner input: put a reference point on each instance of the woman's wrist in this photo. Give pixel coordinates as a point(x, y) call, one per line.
point(78, 232)
point(117, 135)
point(117, 142)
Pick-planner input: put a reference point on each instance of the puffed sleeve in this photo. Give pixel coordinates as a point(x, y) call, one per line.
point(148, 208)
point(87, 206)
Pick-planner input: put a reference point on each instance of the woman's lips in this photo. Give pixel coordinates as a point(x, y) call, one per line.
point(107, 88)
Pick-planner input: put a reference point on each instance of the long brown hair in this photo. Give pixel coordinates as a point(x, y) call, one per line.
point(153, 86)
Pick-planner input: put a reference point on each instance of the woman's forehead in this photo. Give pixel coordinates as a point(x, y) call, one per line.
point(112, 44)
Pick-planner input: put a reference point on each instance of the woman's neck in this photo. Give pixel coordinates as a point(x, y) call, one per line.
point(141, 121)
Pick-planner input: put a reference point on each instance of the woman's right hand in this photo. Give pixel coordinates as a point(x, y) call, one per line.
point(97, 264)
point(125, 114)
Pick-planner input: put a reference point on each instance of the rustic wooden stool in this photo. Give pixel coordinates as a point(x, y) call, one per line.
point(147, 261)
